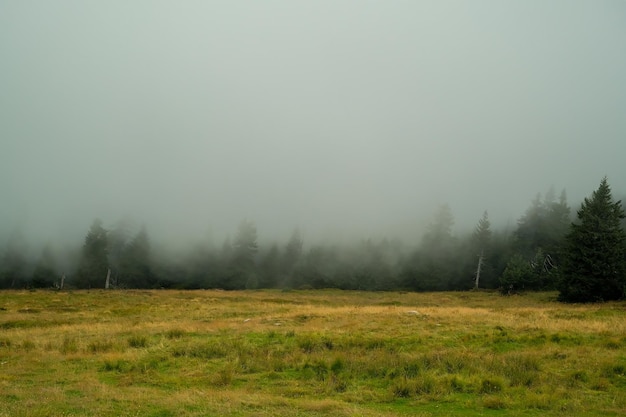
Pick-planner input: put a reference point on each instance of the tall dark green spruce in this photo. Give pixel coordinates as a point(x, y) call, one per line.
point(594, 268)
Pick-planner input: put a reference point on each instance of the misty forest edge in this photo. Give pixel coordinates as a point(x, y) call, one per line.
point(581, 256)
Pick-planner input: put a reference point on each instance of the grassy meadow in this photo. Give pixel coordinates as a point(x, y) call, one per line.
point(308, 353)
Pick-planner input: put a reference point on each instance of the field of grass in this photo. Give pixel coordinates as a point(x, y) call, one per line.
point(308, 353)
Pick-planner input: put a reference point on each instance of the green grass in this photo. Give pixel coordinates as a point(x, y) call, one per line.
point(308, 353)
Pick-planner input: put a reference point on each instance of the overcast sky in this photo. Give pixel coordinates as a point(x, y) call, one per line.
point(352, 117)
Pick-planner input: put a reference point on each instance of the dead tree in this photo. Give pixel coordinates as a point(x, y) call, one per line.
point(480, 264)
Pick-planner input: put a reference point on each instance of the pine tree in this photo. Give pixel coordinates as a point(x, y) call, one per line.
point(135, 265)
point(482, 233)
point(269, 267)
point(45, 272)
point(94, 262)
point(118, 239)
point(439, 233)
point(541, 231)
point(290, 258)
point(245, 246)
point(434, 266)
point(245, 249)
point(557, 225)
point(594, 268)
point(531, 231)
point(543, 225)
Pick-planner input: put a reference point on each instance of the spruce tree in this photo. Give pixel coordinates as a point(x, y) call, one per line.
point(245, 249)
point(434, 266)
point(135, 262)
point(594, 268)
point(94, 262)
point(531, 228)
point(269, 267)
point(290, 258)
point(45, 273)
point(481, 238)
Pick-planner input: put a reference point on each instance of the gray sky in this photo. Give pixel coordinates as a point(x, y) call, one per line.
point(352, 117)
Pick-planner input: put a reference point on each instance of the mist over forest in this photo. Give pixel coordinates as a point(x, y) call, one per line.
point(359, 143)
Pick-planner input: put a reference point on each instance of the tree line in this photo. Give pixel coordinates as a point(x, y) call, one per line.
point(581, 256)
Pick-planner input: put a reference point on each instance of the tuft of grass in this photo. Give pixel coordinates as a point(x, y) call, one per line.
point(539, 401)
point(28, 345)
point(100, 346)
point(138, 341)
point(403, 389)
point(521, 369)
point(578, 377)
point(175, 333)
point(615, 373)
point(613, 344)
point(69, 345)
point(337, 366)
point(566, 339)
point(494, 402)
point(224, 376)
point(202, 350)
point(491, 385)
point(424, 384)
point(462, 384)
point(115, 366)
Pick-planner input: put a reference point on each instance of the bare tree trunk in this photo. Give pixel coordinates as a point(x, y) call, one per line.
point(480, 264)
point(107, 284)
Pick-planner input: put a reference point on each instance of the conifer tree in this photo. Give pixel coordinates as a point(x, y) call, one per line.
point(135, 263)
point(44, 274)
point(94, 262)
point(543, 225)
point(482, 233)
point(245, 249)
point(290, 258)
point(245, 246)
point(594, 268)
point(433, 266)
point(118, 239)
point(269, 267)
point(531, 231)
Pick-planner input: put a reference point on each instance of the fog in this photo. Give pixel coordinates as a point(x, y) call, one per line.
point(343, 118)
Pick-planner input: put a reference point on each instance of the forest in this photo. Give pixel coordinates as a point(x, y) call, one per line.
point(581, 253)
